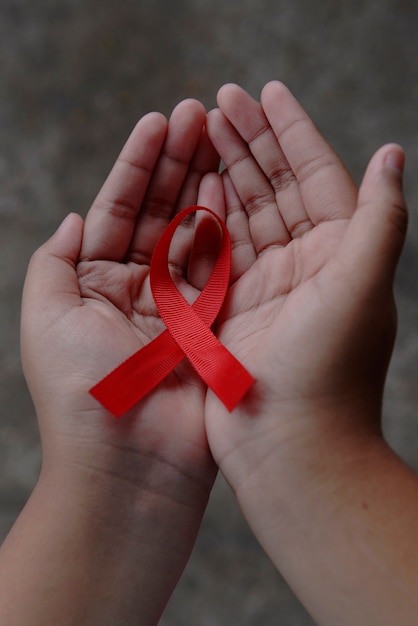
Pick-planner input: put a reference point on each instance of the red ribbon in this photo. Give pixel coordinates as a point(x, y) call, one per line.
point(187, 334)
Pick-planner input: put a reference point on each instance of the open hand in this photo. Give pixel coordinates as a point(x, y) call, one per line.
point(88, 306)
point(310, 312)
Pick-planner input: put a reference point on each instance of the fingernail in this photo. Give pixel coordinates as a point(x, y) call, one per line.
point(395, 159)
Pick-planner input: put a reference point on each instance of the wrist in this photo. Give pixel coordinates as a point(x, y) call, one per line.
point(298, 453)
point(146, 507)
point(337, 517)
point(116, 539)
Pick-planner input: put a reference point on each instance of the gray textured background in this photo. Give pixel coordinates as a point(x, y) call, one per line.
point(75, 75)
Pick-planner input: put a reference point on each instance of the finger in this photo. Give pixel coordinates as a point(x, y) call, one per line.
point(111, 220)
point(51, 280)
point(376, 233)
point(207, 233)
point(253, 188)
point(243, 252)
point(205, 160)
point(248, 118)
point(326, 187)
point(211, 194)
point(184, 131)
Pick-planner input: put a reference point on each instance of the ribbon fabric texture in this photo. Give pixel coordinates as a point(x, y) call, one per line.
point(188, 334)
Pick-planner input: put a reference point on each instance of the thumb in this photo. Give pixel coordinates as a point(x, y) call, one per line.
point(377, 230)
point(51, 279)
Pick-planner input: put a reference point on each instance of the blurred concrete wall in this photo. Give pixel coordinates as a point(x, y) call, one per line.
point(75, 75)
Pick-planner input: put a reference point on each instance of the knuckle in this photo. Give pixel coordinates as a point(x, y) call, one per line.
point(256, 202)
point(281, 177)
point(399, 217)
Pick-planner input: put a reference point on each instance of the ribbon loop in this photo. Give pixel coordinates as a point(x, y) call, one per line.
point(187, 334)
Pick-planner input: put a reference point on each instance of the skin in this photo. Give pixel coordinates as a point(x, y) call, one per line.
point(311, 314)
point(112, 493)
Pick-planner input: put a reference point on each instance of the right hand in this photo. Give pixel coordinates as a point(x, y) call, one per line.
point(310, 312)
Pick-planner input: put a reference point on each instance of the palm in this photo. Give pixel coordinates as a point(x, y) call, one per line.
point(101, 310)
point(266, 313)
point(120, 315)
point(289, 200)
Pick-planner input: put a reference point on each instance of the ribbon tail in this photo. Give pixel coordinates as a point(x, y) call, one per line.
point(231, 382)
point(133, 379)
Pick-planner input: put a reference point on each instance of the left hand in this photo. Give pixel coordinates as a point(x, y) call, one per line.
point(114, 515)
point(87, 306)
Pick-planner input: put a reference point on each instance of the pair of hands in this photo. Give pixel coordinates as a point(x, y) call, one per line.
point(309, 310)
